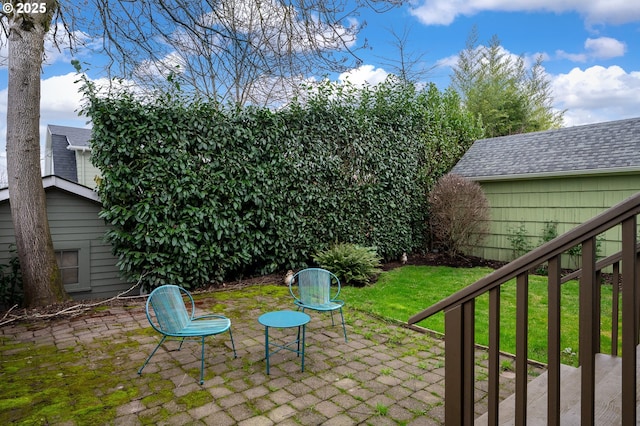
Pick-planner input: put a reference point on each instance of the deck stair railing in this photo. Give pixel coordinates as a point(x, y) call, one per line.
point(459, 312)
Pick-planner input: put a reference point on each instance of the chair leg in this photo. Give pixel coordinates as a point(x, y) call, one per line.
point(343, 326)
point(332, 321)
point(202, 363)
point(152, 353)
point(233, 346)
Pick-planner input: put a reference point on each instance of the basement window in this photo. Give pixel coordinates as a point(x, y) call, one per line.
point(69, 266)
point(73, 262)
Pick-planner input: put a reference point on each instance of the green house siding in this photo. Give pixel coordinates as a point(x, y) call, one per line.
point(74, 225)
point(87, 172)
point(568, 201)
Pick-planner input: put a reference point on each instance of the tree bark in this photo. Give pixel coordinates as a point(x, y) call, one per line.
point(41, 278)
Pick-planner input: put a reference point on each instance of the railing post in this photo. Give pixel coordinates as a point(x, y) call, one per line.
point(459, 364)
point(494, 356)
point(588, 328)
point(629, 320)
point(522, 346)
point(637, 307)
point(553, 339)
point(615, 308)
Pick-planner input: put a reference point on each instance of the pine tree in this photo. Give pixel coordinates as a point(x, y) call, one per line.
point(497, 88)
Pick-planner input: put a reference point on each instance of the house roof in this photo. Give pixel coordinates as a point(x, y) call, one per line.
point(77, 138)
point(590, 149)
point(49, 182)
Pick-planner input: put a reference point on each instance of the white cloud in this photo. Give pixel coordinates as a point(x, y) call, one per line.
point(60, 98)
point(597, 94)
point(573, 57)
point(592, 95)
point(605, 47)
point(444, 12)
point(596, 48)
point(58, 45)
point(60, 103)
point(366, 74)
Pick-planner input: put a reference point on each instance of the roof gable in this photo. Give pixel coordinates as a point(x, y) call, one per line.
point(56, 182)
point(77, 138)
point(64, 160)
point(593, 148)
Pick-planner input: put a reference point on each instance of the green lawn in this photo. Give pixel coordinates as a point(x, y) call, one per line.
point(403, 292)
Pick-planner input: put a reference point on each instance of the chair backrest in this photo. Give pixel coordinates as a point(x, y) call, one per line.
point(314, 286)
point(169, 309)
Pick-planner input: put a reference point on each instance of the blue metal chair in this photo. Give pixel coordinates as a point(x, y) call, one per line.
point(168, 315)
point(317, 289)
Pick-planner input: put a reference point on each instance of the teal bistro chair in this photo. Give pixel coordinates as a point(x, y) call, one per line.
point(168, 314)
point(317, 289)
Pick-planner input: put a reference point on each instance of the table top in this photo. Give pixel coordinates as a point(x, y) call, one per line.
point(284, 319)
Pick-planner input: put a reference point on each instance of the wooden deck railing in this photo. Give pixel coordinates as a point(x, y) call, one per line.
point(459, 311)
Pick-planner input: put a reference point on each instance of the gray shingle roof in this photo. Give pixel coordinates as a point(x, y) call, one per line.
point(64, 140)
point(76, 137)
point(64, 160)
point(593, 148)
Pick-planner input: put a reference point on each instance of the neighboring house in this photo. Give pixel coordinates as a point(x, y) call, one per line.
point(68, 155)
point(88, 268)
point(566, 176)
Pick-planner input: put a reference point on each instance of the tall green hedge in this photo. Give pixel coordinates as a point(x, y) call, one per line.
point(197, 193)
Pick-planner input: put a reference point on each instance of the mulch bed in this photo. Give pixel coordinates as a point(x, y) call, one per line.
point(58, 310)
point(437, 259)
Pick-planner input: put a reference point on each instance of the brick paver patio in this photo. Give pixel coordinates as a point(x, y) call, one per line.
point(385, 375)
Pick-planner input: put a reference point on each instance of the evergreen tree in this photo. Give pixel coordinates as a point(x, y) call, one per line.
point(501, 91)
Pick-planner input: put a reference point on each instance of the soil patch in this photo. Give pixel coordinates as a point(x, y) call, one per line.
point(437, 259)
point(75, 308)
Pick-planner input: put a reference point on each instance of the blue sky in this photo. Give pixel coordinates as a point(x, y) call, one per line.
point(591, 52)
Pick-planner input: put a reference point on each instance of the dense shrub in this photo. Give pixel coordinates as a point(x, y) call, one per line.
point(459, 214)
point(352, 264)
point(196, 193)
point(11, 292)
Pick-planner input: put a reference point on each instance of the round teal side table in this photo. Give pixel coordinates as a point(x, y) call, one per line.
point(284, 319)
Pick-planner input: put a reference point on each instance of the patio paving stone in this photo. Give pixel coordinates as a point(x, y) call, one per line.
point(385, 374)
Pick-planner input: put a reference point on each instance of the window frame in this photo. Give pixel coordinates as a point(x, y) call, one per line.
point(84, 264)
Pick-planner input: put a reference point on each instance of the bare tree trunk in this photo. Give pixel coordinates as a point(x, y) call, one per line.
point(40, 275)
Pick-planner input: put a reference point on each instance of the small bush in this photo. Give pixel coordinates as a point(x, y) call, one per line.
point(11, 281)
point(549, 232)
point(519, 241)
point(459, 214)
point(352, 264)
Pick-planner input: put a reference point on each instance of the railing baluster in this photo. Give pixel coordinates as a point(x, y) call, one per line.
point(588, 329)
point(637, 307)
point(453, 380)
point(553, 355)
point(597, 306)
point(469, 360)
point(615, 308)
point(629, 323)
point(494, 356)
point(459, 322)
point(522, 344)
point(459, 361)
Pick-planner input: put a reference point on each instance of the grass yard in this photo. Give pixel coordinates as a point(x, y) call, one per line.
point(403, 292)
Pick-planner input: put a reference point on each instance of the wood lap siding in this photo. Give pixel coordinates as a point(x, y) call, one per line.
point(71, 219)
point(6, 233)
point(568, 201)
point(87, 172)
point(74, 219)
